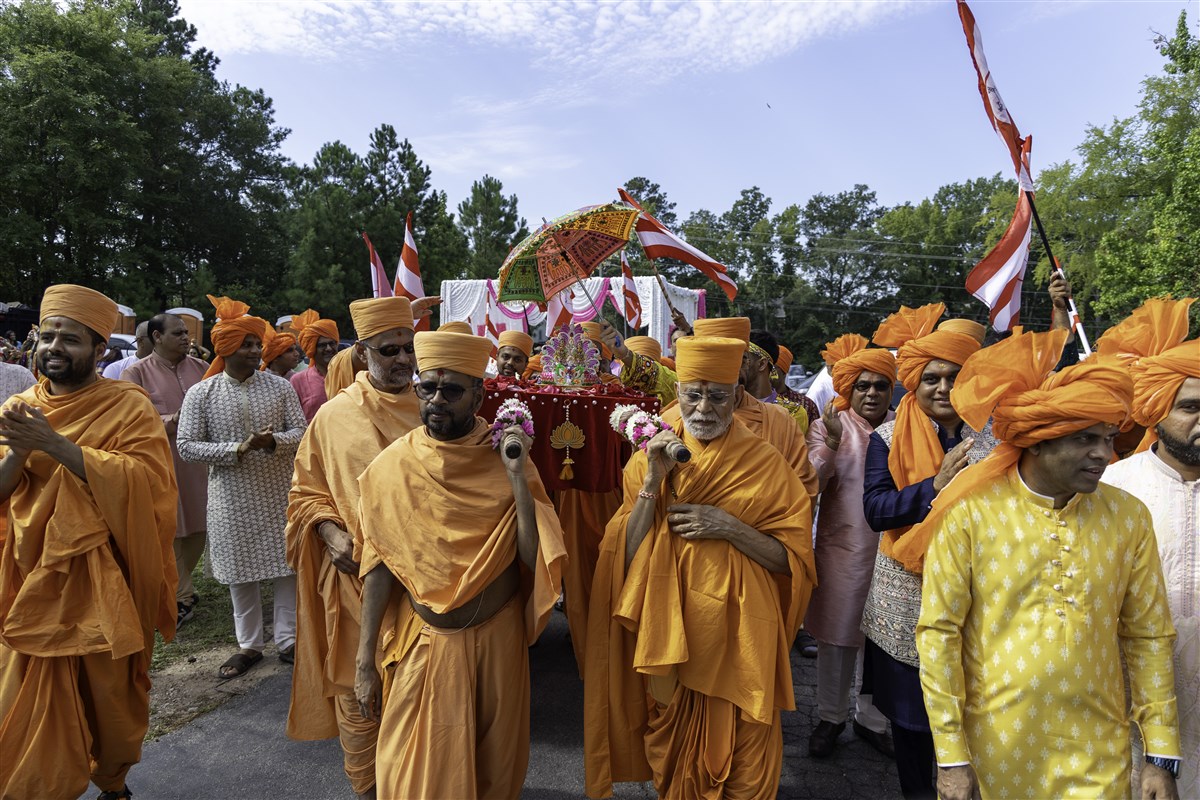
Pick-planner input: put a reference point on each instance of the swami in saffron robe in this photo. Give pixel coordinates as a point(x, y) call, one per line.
point(442, 518)
point(343, 439)
point(687, 662)
point(87, 574)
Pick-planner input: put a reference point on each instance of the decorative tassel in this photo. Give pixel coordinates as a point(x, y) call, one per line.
point(567, 473)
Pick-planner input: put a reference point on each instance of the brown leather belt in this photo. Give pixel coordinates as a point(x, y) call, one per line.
point(480, 608)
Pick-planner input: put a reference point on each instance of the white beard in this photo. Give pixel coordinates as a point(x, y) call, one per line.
point(707, 430)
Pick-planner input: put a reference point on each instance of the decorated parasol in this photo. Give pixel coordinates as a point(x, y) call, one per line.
point(564, 251)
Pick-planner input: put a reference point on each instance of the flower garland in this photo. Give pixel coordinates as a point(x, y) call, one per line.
point(511, 412)
point(636, 425)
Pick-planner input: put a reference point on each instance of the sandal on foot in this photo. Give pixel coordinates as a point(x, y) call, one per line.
point(239, 663)
point(288, 655)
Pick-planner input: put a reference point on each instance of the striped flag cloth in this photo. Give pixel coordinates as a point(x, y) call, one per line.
point(379, 282)
point(1002, 121)
point(633, 303)
point(996, 280)
point(408, 273)
point(658, 242)
point(558, 310)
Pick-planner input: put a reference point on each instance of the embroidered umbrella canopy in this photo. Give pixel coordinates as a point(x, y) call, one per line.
point(563, 251)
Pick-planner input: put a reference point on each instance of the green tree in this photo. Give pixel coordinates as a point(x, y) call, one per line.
point(491, 224)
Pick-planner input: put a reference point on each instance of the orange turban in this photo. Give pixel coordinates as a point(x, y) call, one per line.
point(275, 344)
point(534, 367)
point(1012, 382)
point(1150, 342)
point(458, 352)
point(89, 308)
point(341, 371)
point(592, 331)
point(380, 314)
point(310, 328)
point(233, 326)
point(518, 339)
point(716, 359)
point(784, 362)
point(455, 327)
point(646, 346)
point(848, 357)
point(728, 327)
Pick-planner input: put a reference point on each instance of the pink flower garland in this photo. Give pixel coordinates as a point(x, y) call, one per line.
point(636, 425)
point(511, 412)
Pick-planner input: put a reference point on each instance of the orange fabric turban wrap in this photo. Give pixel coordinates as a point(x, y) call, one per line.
point(1013, 383)
point(646, 346)
point(275, 344)
point(592, 331)
point(784, 362)
point(1150, 341)
point(458, 352)
point(310, 329)
point(518, 339)
point(380, 314)
point(233, 326)
point(89, 308)
point(727, 327)
point(533, 368)
point(848, 357)
point(716, 359)
point(455, 327)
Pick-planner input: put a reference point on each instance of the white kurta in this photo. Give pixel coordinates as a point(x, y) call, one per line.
point(247, 498)
point(1175, 507)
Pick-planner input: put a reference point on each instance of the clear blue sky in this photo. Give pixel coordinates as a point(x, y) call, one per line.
point(565, 101)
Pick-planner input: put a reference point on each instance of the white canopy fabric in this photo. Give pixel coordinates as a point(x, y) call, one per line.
point(473, 301)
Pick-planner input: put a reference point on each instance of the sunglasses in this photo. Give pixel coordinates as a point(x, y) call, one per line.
point(451, 392)
point(390, 350)
point(866, 386)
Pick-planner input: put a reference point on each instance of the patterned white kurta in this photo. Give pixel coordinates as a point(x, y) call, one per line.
point(247, 498)
point(1175, 507)
point(1025, 612)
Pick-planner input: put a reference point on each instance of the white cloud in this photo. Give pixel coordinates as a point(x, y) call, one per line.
point(652, 39)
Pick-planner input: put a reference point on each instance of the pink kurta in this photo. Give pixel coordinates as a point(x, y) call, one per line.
point(845, 544)
point(167, 384)
point(310, 386)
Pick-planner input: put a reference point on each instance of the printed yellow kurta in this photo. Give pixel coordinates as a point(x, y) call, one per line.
point(702, 615)
point(343, 439)
point(441, 517)
point(1025, 613)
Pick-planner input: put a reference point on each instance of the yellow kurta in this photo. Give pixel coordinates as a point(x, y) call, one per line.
point(441, 517)
point(1025, 613)
point(343, 439)
point(707, 625)
point(86, 576)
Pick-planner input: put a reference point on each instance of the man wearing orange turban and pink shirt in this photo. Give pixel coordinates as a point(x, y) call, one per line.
point(1040, 582)
point(461, 546)
point(845, 545)
point(1165, 475)
point(87, 571)
point(318, 338)
point(703, 579)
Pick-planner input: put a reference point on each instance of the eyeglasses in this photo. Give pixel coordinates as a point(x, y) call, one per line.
point(866, 386)
point(390, 350)
point(330, 345)
point(716, 398)
point(451, 392)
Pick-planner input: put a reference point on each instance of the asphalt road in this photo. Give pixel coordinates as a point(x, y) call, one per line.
point(240, 751)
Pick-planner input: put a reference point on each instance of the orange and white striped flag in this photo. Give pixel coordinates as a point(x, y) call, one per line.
point(658, 242)
point(997, 279)
point(1002, 121)
point(379, 282)
point(408, 273)
point(633, 303)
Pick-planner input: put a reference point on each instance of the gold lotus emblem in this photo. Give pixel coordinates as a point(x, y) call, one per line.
point(566, 436)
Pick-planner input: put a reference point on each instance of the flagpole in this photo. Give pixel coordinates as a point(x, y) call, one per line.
point(1078, 323)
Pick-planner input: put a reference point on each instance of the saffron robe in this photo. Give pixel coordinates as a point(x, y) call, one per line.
point(87, 574)
point(701, 616)
point(343, 439)
point(1026, 612)
point(441, 517)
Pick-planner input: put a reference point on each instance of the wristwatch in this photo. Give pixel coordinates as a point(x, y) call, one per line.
point(1171, 765)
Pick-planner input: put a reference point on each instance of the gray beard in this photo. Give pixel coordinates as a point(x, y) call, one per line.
point(707, 431)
